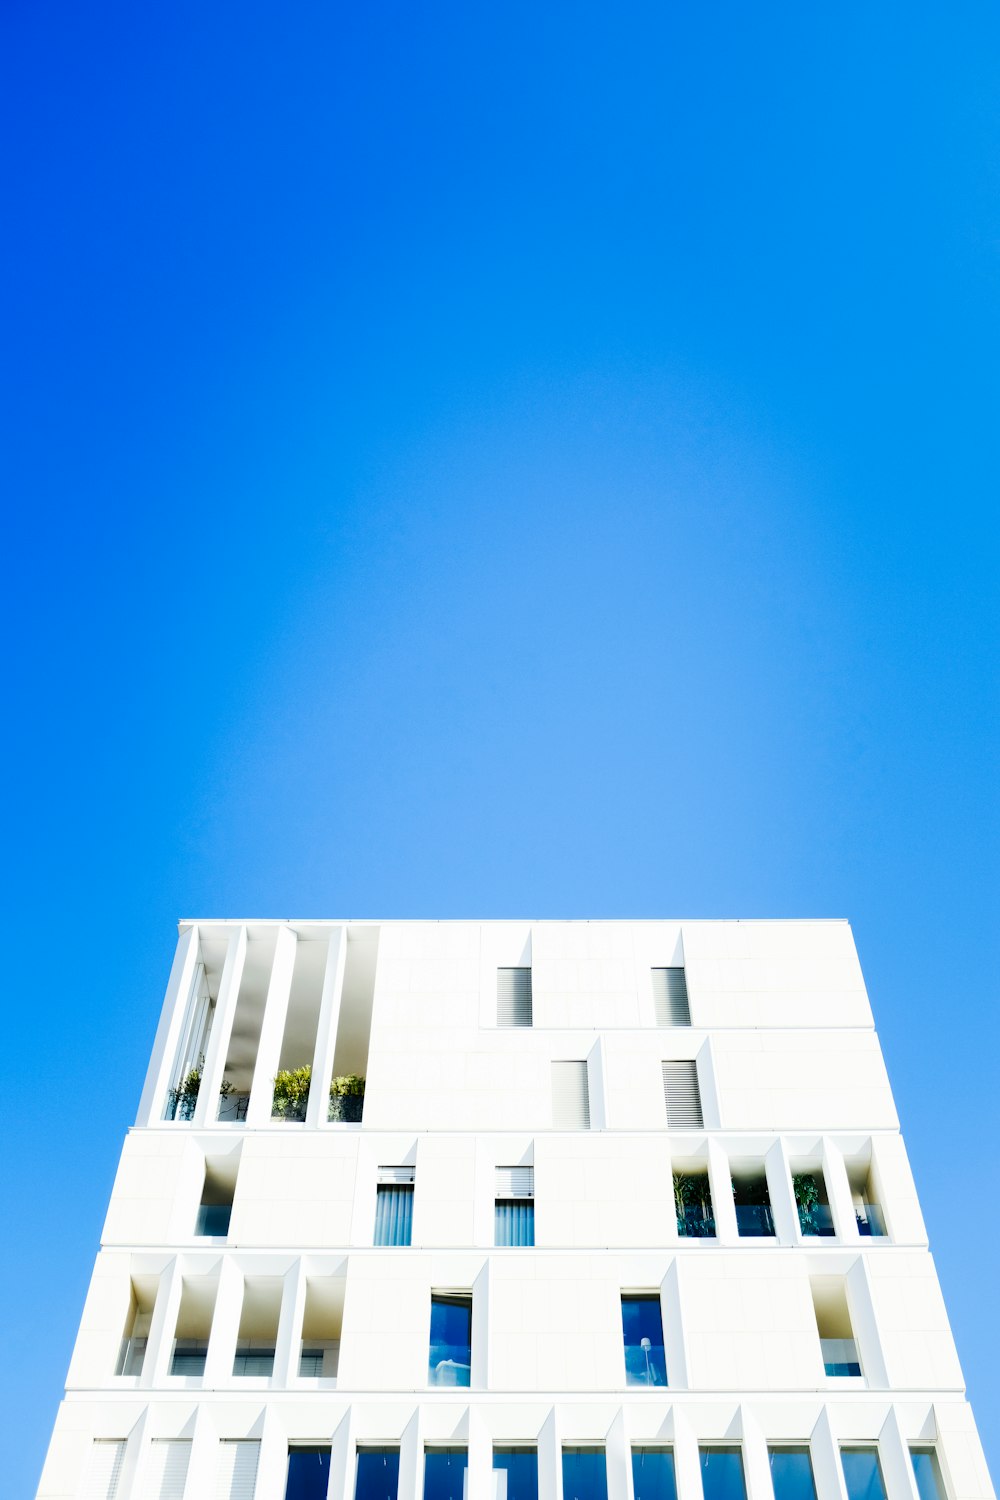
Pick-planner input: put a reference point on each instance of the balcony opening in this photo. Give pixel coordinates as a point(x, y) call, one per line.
point(722, 1476)
point(244, 1039)
point(866, 1197)
point(653, 1474)
point(308, 1473)
point(752, 1201)
point(450, 1359)
point(218, 1190)
point(927, 1473)
point(258, 1332)
point(394, 1205)
point(792, 1474)
point(319, 1354)
point(354, 1026)
point(514, 1206)
point(377, 1474)
point(194, 1325)
point(298, 1044)
point(642, 1332)
point(812, 1202)
point(142, 1297)
point(862, 1474)
point(833, 1322)
point(584, 1474)
point(693, 1201)
point(198, 1017)
point(445, 1472)
point(515, 1473)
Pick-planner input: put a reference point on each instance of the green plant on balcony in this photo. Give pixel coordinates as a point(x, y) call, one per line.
point(346, 1094)
point(291, 1092)
point(692, 1204)
point(806, 1198)
point(186, 1092)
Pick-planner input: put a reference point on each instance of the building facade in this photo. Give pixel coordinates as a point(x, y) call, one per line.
point(515, 1211)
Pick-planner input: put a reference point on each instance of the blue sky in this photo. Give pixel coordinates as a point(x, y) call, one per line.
point(465, 462)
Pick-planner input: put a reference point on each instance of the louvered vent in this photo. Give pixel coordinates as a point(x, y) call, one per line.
point(396, 1176)
point(166, 1470)
point(680, 1088)
point(515, 1182)
point(670, 996)
point(513, 997)
point(570, 1096)
point(237, 1472)
point(104, 1471)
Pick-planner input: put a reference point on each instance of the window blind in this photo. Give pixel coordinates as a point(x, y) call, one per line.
point(397, 1176)
point(104, 1470)
point(680, 1088)
point(670, 997)
point(236, 1475)
point(515, 1182)
point(570, 1096)
point(166, 1470)
point(513, 997)
point(393, 1215)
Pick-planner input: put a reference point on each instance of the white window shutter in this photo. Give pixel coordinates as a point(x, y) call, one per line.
point(670, 997)
point(396, 1176)
point(166, 1470)
point(570, 1096)
point(515, 1182)
point(513, 997)
point(103, 1471)
point(683, 1099)
point(237, 1471)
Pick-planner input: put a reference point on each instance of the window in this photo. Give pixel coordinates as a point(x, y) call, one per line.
point(653, 1474)
point(218, 1191)
point(792, 1474)
point(166, 1470)
point(642, 1329)
point(722, 1474)
point(104, 1470)
point(682, 1095)
point(515, 1206)
point(584, 1474)
point(451, 1339)
point(378, 1474)
point(862, 1474)
point(394, 1206)
point(189, 1357)
point(752, 1202)
point(253, 1357)
point(927, 1473)
point(444, 1473)
point(833, 1322)
point(693, 1204)
point(670, 997)
point(570, 1096)
point(236, 1474)
point(811, 1202)
point(308, 1474)
point(513, 997)
point(517, 1473)
point(132, 1350)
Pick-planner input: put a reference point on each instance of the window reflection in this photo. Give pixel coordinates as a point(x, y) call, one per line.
point(722, 1474)
point(378, 1474)
point(792, 1474)
point(517, 1473)
point(927, 1473)
point(444, 1473)
point(642, 1328)
point(862, 1474)
point(653, 1474)
point(450, 1361)
point(584, 1474)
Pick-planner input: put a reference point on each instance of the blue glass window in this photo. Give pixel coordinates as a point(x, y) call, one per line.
point(653, 1474)
point(927, 1473)
point(515, 1221)
point(642, 1329)
point(378, 1474)
point(444, 1473)
point(520, 1473)
point(722, 1474)
point(584, 1474)
point(450, 1361)
point(393, 1215)
point(862, 1474)
point(308, 1474)
point(792, 1474)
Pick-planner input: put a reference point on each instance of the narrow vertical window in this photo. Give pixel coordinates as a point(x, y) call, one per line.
point(670, 997)
point(104, 1470)
point(927, 1473)
point(514, 997)
point(236, 1474)
point(444, 1473)
point(166, 1470)
point(682, 1095)
point(378, 1474)
point(570, 1096)
point(584, 1474)
point(514, 1209)
point(516, 1471)
point(752, 1202)
point(722, 1474)
point(862, 1474)
point(792, 1474)
point(308, 1473)
point(450, 1361)
point(812, 1203)
point(642, 1330)
point(653, 1474)
point(394, 1206)
point(218, 1191)
point(833, 1323)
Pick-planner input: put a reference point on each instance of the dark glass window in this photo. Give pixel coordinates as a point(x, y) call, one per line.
point(393, 1215)
point(444, 1473)
point(585, 1474)
point(450, 1360)
point(722, 1474)
point(862, 1474)
point(642, 1329)
point(792, 1474)
point(378, 1474)
point(927, 1473)
point(308, 1474)
point(653, 1474)
point(519, 1467)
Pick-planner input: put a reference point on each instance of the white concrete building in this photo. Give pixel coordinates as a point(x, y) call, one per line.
point(624, 1213)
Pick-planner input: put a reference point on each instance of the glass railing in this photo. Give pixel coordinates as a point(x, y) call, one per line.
point(449, 1364)
point(233, 1107)
point(319, 1359)
point(180, 1106)
point(131, 1356)
point(817, 1220)
point(253, 1358)
point(346, 1108)
point(754, 1219)
point(645, 1364)
point(189, 1357)
point(870, 1220)
point(840, 1357)
point(213, 1219)
point(696, 1225)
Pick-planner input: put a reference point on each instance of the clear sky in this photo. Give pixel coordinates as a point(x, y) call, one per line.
point(530, 460)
